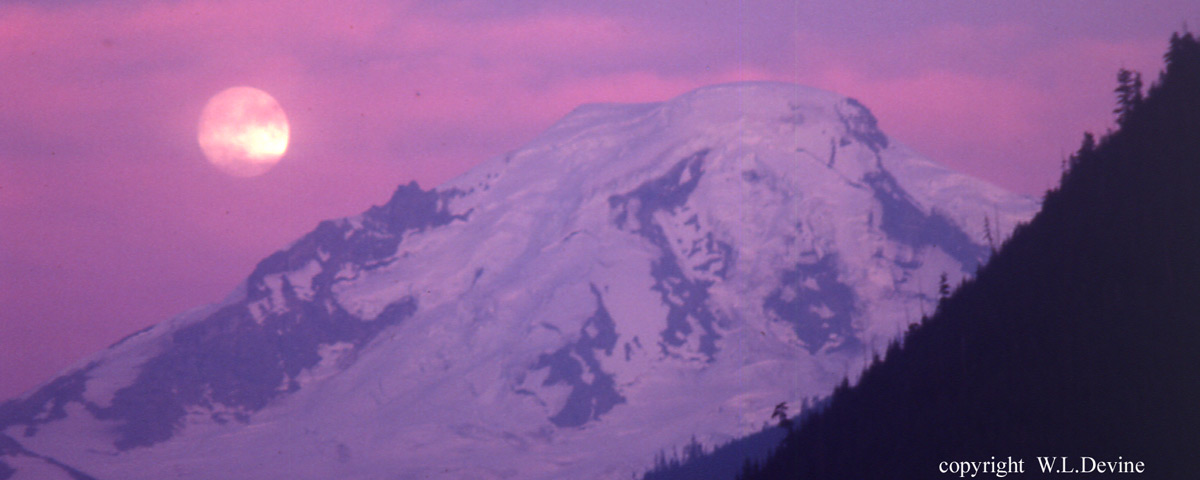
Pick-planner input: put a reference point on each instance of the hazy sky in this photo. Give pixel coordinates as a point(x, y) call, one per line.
point(111, 219)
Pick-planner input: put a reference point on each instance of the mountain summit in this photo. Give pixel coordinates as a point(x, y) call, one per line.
point(635, 276)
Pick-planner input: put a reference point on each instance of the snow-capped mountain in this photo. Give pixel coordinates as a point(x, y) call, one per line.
point(636, 276)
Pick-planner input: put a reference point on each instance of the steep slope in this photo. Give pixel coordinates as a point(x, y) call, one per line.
point(637, 275)
point(1078, 339)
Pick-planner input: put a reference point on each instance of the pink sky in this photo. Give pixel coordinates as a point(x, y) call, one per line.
point(111, 219)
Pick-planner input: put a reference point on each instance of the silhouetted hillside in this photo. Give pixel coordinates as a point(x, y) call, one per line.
point(1081, 337)
point(722, 463)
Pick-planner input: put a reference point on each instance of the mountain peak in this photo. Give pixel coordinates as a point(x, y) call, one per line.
point(727, 103)
point(764, 100)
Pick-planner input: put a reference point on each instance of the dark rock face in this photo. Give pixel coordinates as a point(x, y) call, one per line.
point(241, 357)
point(587, 400)
point(44, 406)
point(229, 360)
point(862, 125)
point(905, 223)
point(48, 404)
point(819, 307)
point(685, 297)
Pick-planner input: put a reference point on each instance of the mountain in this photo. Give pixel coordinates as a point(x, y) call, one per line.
point(1076, 343)
point(635, 277)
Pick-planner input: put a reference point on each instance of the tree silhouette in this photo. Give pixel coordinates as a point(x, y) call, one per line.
point(1129, 93)
point(987, 234)
point(781, 413)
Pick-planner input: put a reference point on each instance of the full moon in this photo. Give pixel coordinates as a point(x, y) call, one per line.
point(243, 131)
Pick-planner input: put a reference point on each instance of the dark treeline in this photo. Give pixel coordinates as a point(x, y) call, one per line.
point(1081, 337)
point(724, 462)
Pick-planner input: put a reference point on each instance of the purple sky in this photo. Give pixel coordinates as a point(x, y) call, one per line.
point(111, 219)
